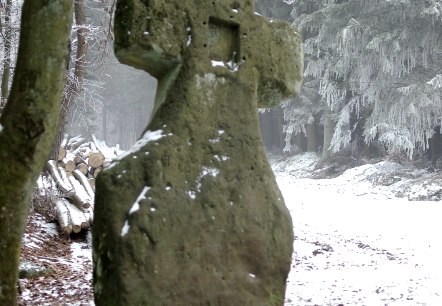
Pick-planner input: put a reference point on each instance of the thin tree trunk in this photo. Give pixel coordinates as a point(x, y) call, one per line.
point(329, 129)
point(311, 137)
point(298, 142)
point(104, 116)
point(277, 120)
point(7, 35)
point(74, 86)
point(265, 127)
point(29, 123)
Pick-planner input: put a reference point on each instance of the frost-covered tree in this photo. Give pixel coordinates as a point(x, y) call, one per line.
point(81, 100)
point(10, 14)
point(376, 65)
point(92, 35)
point(271, 120)
point(274, 9)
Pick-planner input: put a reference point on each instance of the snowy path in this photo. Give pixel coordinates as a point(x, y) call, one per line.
point(358, 246)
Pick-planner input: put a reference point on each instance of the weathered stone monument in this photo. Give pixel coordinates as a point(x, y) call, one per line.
point(192, 214)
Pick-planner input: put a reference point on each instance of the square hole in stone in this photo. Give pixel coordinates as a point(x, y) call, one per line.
point(223, 41)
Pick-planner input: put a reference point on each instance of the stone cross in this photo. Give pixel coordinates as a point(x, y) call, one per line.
point(192, 215)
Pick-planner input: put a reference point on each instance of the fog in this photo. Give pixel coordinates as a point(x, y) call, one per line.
point(122, 97)
point(128, 99)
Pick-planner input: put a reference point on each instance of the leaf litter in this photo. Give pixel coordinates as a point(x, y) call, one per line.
point(368, 235)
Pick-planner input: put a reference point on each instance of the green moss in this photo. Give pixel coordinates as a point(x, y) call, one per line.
point(30, 270)
point(213, 214)
point(29, 120)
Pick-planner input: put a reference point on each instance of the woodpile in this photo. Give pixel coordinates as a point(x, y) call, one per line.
point(79, 162)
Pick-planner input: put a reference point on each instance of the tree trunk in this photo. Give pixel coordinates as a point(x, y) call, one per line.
point(329, 129)
point(265, 127)
point(299, 143)
point(29, 123)
point(277, 128)
point(73, 87)
point(7, 36)
point(311, 137)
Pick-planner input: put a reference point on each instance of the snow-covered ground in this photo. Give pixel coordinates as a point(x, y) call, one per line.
point(358, 244)
point(362, 238)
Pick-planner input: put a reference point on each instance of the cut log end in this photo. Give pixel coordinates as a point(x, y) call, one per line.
point(83, 168)
point(76, 228)
point(96, 160)
point(79, 162)
point(66, 230)
point(68, 165)
point(61, 153)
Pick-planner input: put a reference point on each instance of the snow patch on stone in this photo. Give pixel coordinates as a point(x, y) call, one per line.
point(218, 64)
point(231, 65)
point(214, 140)
point(149, 136)
point(136, 205)
point(189, 37)
point(209, 171)
point(125, 229)
point(206, 171)
point(221, 158)
point(191, 194)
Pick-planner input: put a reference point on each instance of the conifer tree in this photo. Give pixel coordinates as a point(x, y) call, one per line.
point(376, 65)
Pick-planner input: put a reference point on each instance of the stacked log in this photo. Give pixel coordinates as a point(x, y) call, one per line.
point(78, 154)
point(79, 163)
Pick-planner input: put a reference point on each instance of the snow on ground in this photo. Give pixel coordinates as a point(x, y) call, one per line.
point(362, 238)
point(358, 244)
point(58, 270)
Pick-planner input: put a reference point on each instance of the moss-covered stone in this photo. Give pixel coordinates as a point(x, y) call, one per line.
point(194, 215)
point(31, 270)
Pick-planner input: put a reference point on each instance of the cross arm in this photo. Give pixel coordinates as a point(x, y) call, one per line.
point(280, 62)
point(145, 36)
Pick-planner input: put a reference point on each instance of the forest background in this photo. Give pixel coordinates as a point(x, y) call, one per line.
point(372, 87)
point(372, 79)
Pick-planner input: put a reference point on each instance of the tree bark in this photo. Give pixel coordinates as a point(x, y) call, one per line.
point(29, 123)
point(63, 216)
point(85, 183)
point(277, 128)
point(329, 129)
point(7, 35)
point(311, 137)
point(75, 142)
point(62, 183)
point(74, 86)
point(70, 218)
point(80, 197)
